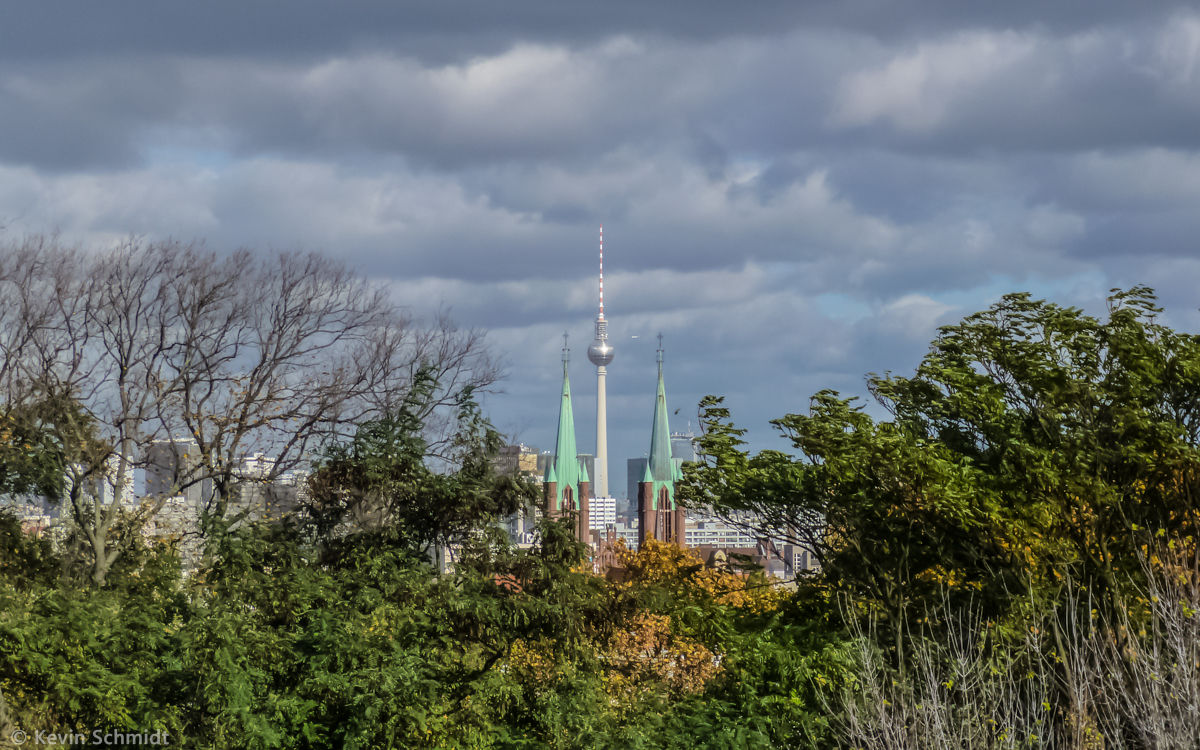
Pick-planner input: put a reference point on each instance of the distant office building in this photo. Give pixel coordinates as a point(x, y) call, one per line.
point(109, 484)
point(256, 466)
point(683, 447)
point(35, 516)
point(707, 532)
point(628, 532)
point(173, 468)
point(520, 459)
point(297, 478)
point(803, 560)
point(634, 469)
point(717, 533)
point(259, 495)
point(263, 501)
point(520, 526)
point(602, 512)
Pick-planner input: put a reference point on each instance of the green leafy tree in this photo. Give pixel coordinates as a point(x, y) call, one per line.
point(76, 659)
point(384, 482)
point(31, 458)
point(1033, 442)
point(49, 449)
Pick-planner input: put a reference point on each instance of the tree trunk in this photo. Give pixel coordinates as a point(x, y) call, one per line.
point(5, 726)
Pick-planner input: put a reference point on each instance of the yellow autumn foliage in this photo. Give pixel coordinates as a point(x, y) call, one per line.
point(533, 661)
point(647, 651)
point(660, 563)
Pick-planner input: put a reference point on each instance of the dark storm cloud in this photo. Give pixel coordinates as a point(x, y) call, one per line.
point(957, 93)
point(525, 102)
point(1138, 202)
point(61, 116)
point(444, 30)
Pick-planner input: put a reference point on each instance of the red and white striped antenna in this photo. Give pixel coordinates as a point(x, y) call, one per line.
point(602, 272)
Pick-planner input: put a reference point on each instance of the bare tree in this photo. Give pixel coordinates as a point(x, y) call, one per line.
point(186, 362)
point(1074, 683)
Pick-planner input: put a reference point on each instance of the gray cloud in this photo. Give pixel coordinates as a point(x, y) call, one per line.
point(1099, 88)
point(60, 29)
point(1016, 90)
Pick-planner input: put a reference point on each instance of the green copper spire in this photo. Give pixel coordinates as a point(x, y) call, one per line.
point(660, 466)
point(566, 459)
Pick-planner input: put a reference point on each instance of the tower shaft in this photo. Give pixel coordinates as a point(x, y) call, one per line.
point(601, 478)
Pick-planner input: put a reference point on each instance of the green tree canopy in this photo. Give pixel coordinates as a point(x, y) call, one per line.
point(384, 482)
point(1033, 442)
point(40, 437)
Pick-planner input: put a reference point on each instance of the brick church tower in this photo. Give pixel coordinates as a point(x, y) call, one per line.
point(566, 488)
point(658, 514)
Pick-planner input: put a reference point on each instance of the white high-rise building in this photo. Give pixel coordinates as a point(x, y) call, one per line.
point(256, 466)
point(602, 512)
point(108, 484)
point(114, 486)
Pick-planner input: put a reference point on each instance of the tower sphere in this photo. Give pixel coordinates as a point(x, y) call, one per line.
point(600, 353)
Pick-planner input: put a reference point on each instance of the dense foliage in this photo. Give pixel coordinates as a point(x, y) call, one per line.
point(271, 647)
point(1036, 468)
point(1007, 561)
point(336, 628)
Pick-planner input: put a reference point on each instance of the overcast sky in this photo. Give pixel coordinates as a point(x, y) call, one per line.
point(794, 193)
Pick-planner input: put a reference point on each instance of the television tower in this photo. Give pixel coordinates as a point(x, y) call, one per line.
point(601, 355)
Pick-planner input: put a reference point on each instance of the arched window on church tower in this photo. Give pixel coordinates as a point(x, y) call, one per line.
point(568, 502)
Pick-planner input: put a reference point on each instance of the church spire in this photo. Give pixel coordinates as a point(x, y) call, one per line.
point(660, 463)
point(566, 457)
point(566, 489)
point(659, 516)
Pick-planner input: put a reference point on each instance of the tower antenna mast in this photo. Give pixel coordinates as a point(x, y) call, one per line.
point(601, 272)
point(601, 355)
